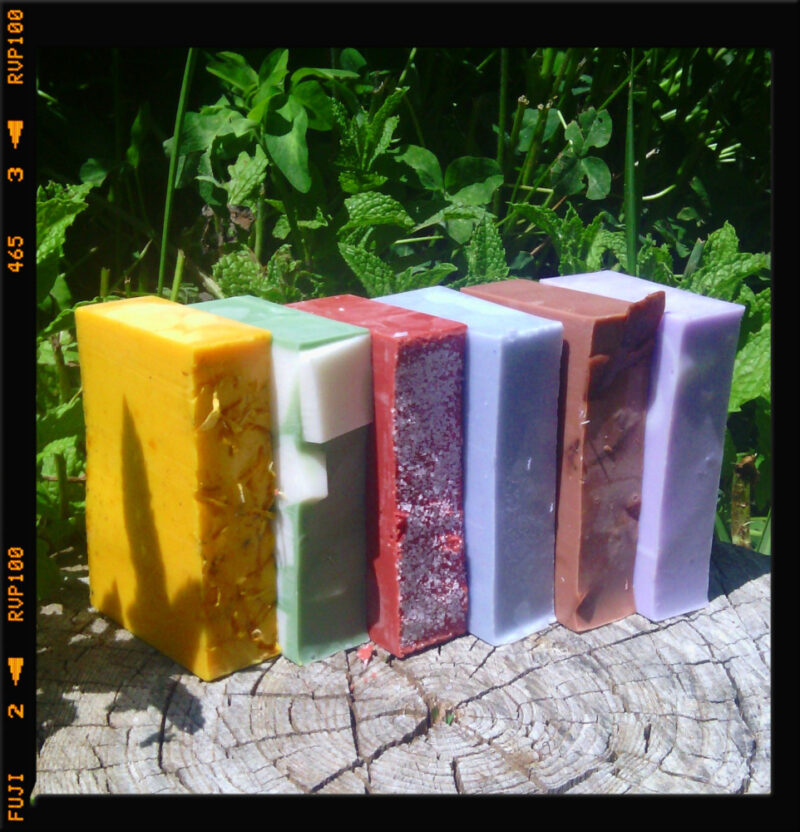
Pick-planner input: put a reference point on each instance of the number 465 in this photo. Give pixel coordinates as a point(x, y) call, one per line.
point(15, 251)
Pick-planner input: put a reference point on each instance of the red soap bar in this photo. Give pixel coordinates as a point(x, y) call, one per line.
point(605, 375)
point(416, 577)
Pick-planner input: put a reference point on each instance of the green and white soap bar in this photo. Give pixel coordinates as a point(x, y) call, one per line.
point(321, 409)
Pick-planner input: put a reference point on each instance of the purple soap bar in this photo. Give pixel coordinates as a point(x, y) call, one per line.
point(684, 434)
point(511, 379)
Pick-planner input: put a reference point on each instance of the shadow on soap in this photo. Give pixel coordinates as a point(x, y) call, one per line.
point(151, 607)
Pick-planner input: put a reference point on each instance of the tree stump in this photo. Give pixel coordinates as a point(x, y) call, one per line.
point(680, 706)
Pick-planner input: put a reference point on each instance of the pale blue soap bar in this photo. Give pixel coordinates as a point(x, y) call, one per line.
point(510, 413)
point(320, 410)
point(683, 439)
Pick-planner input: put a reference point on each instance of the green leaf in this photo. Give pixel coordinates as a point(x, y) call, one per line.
point(237, 273)
point(472, 180)
point(275, 67)
point(375, 276)
point(60, 293)
point(723, 268)
point(354, 182)
point(541, 217)
point(566, 175)
point(271, 76)
point(759, 310)
point(318, 105)
point(286, 143)
point(234, 70)
point(246, 177)
point(134, 152)
point(765, 544)
point(279, 269)
point(374, 208)
point(596, 128)
point(723, 280)
point(57, 206)
point(415, 277)
point(720, 529)
point(351, 59)
point(471, 213)
point(752, 370)
point(573, 135)
point(375, 130)
point(385, 139)
point(486, 257)
point(321, 72)
point(62, 422)
point(425, 164)
point(530, 119)
point(201, 130)
point(94, 171)
point(598, 175)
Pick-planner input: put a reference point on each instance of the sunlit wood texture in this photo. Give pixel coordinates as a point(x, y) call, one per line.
point(677, 707)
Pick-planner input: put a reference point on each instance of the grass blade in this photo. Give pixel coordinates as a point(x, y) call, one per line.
point(630, 200)
point(765, 544)
point(173, 162)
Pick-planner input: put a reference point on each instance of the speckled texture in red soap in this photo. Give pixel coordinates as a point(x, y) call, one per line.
point(416, 582)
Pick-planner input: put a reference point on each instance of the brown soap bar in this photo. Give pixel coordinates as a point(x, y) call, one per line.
point(605, 374)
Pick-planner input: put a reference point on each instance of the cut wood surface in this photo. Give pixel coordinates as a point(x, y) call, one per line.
point(680, 706)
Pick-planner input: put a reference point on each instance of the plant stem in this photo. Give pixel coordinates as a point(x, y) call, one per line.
point(173, 162)
point(620, 88)
point(402, 77)
point(104, 275)
point(117, 182)
point(744, 475)
point(482, 64)
point(291, 214)
point(64, 386)
point(501, 122)
point(259, 242)
point(418, 239)
point(178, 276)
point(61, 477)
point(522, 103)
point(630, 200)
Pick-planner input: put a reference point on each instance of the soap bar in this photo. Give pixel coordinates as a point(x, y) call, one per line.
point(511, 380)
point(603, 400)
point(683, 442)
point(179, 482)
point(322, 395)
point(416, 578)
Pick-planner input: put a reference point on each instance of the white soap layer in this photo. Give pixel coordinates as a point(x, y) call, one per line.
point(335, 386)
point(300, 471)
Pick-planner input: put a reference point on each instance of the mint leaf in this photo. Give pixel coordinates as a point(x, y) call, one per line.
point(723, 269)
point(246, 176)
point(486, 257)
point(375, 276)
point(752, 370)
point(374, 208)
point(415, 277)
point(57, 206)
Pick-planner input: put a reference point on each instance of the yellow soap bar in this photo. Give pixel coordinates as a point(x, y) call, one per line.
point(179, 480)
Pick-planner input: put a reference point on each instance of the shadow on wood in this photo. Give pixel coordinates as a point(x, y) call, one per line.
point(679, 706)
